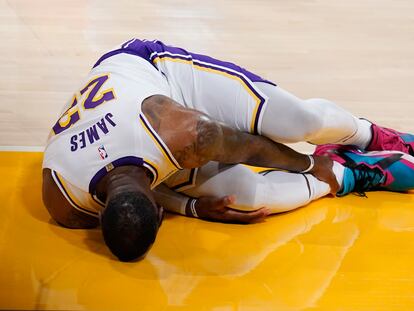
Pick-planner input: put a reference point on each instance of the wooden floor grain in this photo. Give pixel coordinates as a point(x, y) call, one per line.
point(357, 53)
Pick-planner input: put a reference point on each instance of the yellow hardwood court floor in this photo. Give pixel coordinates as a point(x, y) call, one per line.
point(349, 253)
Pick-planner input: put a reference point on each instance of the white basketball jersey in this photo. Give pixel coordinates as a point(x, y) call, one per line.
point(104, 127)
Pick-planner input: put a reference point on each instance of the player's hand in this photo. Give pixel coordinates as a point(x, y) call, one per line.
point(323, 171)
point(216, 209)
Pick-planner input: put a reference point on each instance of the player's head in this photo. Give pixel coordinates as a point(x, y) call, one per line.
point(130, 224)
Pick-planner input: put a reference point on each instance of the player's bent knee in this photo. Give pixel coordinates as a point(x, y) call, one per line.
point(315, 118)
point(331, 122)
point(302, 122)
point(60, 209)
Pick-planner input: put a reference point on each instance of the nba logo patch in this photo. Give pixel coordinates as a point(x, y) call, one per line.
point(102, 152)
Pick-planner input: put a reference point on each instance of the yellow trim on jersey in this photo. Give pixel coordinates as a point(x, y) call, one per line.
point(162, 148)
point(67, 190)
point(217, 71)
point(72, 199)
point(152, 166)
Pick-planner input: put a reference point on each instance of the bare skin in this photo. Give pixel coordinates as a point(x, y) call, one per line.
point(121, 179)
point(60, 209)
point(194, 139)
point(133, 178)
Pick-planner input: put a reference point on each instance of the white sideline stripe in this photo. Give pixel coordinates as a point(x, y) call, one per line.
point(23, 148)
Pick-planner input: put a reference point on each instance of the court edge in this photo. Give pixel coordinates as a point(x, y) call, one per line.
point(22, 148)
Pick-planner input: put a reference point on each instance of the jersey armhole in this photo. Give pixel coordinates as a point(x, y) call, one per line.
point(64, 189)
point(124, 161)
point(158, 141)
point(187, 183)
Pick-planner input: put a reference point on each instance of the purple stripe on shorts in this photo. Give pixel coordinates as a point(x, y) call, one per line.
point(212, 63)
point(133, 47)
point(130, 160)
point(142, 53)
point(126, 43)
point(257, 117)
point(161, 47)
point(236, 74)
point(145, 49)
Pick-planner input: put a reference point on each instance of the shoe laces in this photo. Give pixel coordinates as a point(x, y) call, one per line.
point(366, 178)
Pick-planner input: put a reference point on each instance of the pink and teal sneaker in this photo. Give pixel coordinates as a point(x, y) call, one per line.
point(388, 139)
point(375, 170)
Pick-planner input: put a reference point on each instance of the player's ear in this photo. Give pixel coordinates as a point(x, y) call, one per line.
point(129, 225)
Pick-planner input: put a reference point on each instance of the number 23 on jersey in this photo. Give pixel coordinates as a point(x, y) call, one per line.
point(94, 96)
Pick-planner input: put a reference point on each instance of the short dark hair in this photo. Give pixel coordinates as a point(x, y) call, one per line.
point(129, 225)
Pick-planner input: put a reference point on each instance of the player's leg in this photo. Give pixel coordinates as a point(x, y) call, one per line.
point(239, 98)
point(287, 118)
point(280, 191)
point(233, 95)
point(356, 171)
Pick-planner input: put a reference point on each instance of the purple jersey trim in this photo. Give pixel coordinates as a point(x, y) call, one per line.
point(151, 50)
point(207, 59)
point(130, 160)
point(124, 45)
point(143, 54)
point(216, 66)
point(146, 48)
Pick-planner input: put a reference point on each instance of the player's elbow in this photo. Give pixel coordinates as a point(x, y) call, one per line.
point(209, 142)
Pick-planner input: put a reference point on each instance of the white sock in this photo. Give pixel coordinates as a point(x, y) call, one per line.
point(338, 170)
point(363, 135)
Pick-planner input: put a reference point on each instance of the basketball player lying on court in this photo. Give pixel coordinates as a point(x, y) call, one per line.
point(148, 110)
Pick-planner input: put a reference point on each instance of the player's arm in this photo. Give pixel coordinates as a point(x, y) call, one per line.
point(196, 139)
point(60, 209)
point(208, 208)
point(223, 144)
point(218, 142)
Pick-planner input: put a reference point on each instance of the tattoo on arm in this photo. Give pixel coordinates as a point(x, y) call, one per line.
point(195, 139)
point(185, 154)
point(208, 140)
point(229, 145)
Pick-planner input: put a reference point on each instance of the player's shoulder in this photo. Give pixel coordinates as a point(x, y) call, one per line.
point(60, 208)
